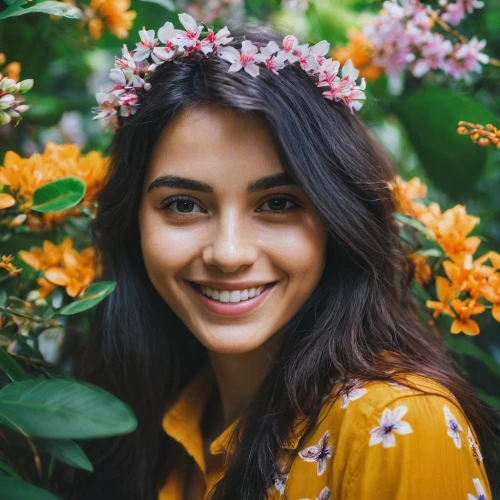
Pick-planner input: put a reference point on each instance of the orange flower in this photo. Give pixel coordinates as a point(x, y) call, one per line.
point(492, 294)
point(423, 273)
point(116, 16)
point(49, 256)
point(5, 263)
point(451, 229)
point(78, 273)
point(446, 292)
point(24, 176)
point(465, 309)
point(406, 192)
point(63, 266)
point(359, 50)
point(6, 201)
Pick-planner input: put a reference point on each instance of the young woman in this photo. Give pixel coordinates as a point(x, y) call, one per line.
point(262, 328)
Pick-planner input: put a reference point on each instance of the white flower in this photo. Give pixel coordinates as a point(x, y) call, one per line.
point(241, 59)
point(353, 394)
point(319, 453)
point(324, 494)
point(481, 495)
point(146, 45)
point(267, 56)
point(189, 37)
point(454, 428)
point(390, 422)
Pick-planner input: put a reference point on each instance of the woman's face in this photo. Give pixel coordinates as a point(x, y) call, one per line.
point(218, 211)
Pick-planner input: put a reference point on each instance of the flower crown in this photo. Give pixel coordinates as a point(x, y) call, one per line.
point(131, 71)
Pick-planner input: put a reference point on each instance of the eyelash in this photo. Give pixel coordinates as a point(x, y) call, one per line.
point(170, 201)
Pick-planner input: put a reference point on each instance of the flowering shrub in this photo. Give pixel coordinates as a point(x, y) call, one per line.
point(452, 252)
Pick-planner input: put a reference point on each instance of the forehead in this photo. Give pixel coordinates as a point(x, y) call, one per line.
point(216, 145)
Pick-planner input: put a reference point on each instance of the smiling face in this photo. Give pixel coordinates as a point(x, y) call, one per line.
point(207, 217)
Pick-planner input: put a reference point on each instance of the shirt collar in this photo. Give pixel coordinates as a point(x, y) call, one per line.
point(182, 421)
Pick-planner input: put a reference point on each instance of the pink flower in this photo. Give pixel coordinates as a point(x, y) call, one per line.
point(146, 45)
point(244, 59)
point(189, 37)
point(434, 52)
point(290, 43)
point(345, 88)
point(267, 57)
point(213, 41)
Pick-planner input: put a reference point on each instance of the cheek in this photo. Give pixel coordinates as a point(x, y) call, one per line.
point(302, 254)
point(164, 252)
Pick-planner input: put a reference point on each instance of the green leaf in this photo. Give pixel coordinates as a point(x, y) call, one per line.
point(93, 295)
point(50, 7)
point(67, 452)
point(11, 367)
point(13, 488)
point(59, 195)
point(430, 116)
point(64, 409)
point(168, 4)
point(413, 223)
point(493, 401)
point(8, 469)
point(467, 348)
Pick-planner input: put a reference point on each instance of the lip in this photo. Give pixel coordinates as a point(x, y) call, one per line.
point(231, 308)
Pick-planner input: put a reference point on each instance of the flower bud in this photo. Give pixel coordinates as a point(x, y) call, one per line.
point(6, 101)
point(26, 85)
point(484, 141)
point(462, 130)
point(22, 108)
point(4, 118)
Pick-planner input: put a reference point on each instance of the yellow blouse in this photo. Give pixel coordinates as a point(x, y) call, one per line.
point(381, 441)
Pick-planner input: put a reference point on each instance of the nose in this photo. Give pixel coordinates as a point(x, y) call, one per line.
point(230, 246)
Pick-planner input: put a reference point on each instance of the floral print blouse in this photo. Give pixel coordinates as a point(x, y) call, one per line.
point(380, 441)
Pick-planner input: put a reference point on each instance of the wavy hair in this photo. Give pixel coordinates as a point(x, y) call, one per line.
point(362, 307)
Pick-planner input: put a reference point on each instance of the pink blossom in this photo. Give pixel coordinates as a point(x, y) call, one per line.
point(267, 56)
point(189, 37)
point(244, 59)
point(345, 88)
point(146, 45)
point(434, 52)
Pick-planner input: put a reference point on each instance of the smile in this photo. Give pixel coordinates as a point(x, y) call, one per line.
point(231, 302)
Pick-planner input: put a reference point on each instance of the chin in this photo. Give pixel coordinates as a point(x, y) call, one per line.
point(231, 346)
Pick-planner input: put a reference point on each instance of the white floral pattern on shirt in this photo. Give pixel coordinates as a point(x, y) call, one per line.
point(481, 495)
point(319, 453)
point(454, 428)
point(390, 422)
point(355, 392)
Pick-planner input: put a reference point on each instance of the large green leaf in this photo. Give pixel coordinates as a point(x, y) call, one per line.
point(13, 488)
point(66, 451)
point(64, 409)
point(11, 367)
point(430, 116)
point(59, 195)
point(51, 7)
point(93, 295)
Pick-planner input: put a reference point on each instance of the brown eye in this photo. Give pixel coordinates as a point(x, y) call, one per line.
point(180, 207)
point(278, 205)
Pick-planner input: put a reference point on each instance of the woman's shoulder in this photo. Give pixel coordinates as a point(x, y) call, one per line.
point(419, 397)
point(408, 430)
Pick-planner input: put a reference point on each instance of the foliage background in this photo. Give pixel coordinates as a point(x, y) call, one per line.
point(69, 66)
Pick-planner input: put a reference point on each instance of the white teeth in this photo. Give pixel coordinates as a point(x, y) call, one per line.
point(233, 296)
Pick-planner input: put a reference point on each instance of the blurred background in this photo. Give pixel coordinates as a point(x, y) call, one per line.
point(428, 66)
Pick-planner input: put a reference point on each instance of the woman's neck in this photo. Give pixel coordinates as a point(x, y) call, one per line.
point(239, 377)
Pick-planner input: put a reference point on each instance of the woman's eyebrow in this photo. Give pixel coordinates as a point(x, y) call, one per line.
point(173, 181)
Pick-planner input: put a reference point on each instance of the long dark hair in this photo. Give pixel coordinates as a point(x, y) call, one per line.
point(362, 307)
